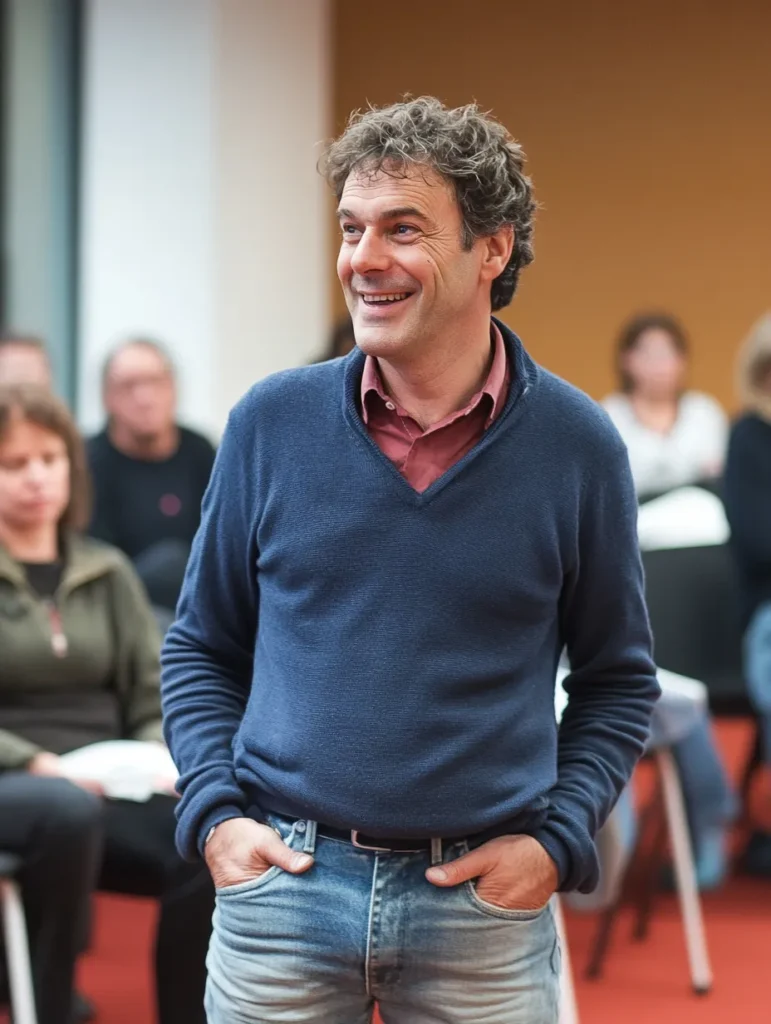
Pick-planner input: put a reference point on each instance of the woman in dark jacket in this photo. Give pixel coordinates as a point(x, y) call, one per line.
point(80, 664)
point(748, 506)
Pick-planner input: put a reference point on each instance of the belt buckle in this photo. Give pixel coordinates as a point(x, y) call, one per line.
point(365, 846)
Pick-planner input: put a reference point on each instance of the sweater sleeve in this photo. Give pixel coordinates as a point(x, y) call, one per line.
point(15, 751)
point(612, 685)
point(208, 653)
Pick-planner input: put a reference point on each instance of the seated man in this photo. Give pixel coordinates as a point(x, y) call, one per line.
point(23, 360)
point(149, 473)
point(748, 507)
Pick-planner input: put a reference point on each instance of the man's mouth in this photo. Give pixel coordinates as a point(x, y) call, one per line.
point(384, 298)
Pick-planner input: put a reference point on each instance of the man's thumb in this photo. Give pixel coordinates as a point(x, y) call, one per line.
point(275, 851)
point(470, 865)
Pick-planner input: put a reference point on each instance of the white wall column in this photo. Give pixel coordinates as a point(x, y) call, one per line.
point(203, 221)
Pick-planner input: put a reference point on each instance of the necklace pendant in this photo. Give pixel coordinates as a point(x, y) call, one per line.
point(59, 645)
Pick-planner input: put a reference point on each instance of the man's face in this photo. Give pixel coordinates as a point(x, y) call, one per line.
point(405, 274)
point(139, 393)
point(24, 364)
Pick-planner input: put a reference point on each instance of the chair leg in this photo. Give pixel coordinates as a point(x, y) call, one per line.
point(568, 1004)
point(652, 876)
point(17, 954)
point(601, 942)
point(685, 874)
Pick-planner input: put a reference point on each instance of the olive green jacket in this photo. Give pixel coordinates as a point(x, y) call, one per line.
point(112, 641)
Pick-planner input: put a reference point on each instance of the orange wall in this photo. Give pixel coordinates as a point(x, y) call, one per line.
point(648, 132)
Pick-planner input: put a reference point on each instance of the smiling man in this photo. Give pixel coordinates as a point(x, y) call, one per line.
point(395, 549)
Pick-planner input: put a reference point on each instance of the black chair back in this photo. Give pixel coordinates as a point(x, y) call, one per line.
point(694, 605)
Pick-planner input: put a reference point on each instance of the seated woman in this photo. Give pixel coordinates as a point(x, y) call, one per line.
point(748, 507)
point(80, 664)
point(674, 436)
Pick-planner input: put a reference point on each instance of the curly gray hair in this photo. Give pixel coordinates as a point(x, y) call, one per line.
point(468, 148)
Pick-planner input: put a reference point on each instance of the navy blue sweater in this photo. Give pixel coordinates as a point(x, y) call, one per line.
point(353, 652)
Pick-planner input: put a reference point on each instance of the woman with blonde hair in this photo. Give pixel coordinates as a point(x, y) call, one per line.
point(80, 664)
point(748, 506)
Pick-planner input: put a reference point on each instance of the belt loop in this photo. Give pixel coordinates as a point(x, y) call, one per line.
point(436, 852)
point(310, 837)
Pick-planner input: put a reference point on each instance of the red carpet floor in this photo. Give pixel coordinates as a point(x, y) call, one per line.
point(644, 983)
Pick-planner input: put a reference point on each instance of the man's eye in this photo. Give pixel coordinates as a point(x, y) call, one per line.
point(350, 230)
point(404, 230)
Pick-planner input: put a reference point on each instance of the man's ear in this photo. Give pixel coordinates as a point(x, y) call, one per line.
point(497, 252)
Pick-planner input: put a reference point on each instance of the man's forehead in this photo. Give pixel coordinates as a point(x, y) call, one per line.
point(136, 357)
point(413, 185)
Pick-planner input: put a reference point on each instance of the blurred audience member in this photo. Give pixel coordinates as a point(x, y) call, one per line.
point(149, 472)
point(748, 506)
point(80, 664)
point(23, 360)
point(674, 436)
point(340, 342)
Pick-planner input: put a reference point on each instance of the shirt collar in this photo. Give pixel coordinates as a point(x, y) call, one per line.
point(495, 387)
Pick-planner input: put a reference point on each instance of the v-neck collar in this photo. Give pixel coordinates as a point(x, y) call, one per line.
point(524, 380)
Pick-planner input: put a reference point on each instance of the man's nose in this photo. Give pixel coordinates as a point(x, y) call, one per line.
point(370, 253)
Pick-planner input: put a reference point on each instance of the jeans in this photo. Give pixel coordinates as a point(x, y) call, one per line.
point(56, 829)
point(72, 843)
point(709, 797)
point(360, 927)
point(757, 668)
point(140, 859)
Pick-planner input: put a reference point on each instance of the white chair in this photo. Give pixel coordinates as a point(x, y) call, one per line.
point(685, 874)
point(614, 841)
point(16, 943)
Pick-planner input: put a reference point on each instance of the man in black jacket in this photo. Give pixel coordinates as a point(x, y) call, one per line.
point(149, 472)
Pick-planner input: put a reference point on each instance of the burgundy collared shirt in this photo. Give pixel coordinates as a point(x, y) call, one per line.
point(422, 456)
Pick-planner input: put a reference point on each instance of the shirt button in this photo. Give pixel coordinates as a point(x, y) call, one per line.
point(300, 827)
point(390, 405)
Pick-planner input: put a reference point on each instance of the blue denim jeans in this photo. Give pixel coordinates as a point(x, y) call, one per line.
point(362, 927)
point(757, 669)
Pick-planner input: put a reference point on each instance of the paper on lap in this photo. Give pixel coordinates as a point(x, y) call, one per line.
point(127, 769)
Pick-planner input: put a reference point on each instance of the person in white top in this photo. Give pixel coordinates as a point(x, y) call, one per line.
point(674, 436)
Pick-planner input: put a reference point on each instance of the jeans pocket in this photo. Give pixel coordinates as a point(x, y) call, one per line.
point(288, 834)
point(491, 909)
point(506, 913)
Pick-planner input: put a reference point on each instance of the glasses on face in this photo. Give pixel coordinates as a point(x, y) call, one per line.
point(146, 381)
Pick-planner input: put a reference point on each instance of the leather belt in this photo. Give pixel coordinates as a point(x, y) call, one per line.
point(375, 844)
